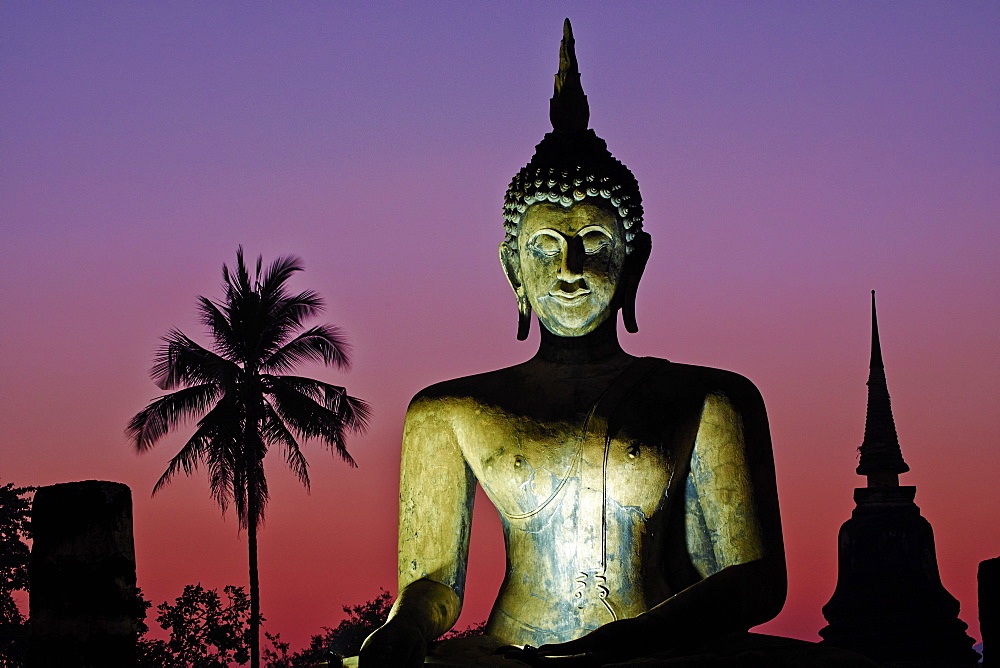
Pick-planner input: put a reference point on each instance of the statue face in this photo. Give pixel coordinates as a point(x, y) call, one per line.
point(571, 262)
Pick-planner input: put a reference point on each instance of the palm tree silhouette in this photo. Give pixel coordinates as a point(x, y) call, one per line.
point(243, 399)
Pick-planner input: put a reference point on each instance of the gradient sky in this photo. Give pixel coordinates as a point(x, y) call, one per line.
point(792, 157)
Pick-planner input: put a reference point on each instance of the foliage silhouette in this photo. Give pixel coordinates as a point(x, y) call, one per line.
point(15, 528)
point(243, 399)
point(205, 632)
point(477, 629)
point(209, 632)
point(346, 638)
point(277, 656)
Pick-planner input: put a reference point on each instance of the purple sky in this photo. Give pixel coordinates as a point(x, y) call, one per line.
point(792, 156)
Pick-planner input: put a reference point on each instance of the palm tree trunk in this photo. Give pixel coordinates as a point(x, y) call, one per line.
point(254, 584)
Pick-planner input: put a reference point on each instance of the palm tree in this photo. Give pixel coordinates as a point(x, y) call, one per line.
point(244, 400)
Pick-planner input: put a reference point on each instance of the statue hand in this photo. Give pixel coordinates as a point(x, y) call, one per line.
point(618, 640)
point(395, 644)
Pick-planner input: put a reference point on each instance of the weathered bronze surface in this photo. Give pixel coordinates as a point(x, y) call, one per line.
point(637, 496)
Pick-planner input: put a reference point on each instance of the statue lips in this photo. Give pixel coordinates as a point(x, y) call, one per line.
point(574, 298)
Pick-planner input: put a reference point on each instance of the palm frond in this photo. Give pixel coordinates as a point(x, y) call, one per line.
point(223, 463)
point(309, 418)
point(187, 459)
point(283, 315)
point(231, 483)
point(322, 343)
point(180, 361)
point(354, 413)
point(262, 494)
point(249, 482)
point(272, 283)
point(238, 305)
point(225, 340)
point(292, 311)
point(275, 431)
point(316, 390)
point(241, 279)
point(214, 432)
point(164, 413)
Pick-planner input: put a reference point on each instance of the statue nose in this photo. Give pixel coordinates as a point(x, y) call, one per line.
point(572, 260)
point(572, 285)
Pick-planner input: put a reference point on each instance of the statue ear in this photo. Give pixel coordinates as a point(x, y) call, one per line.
point(635, 264)
point(512, 268)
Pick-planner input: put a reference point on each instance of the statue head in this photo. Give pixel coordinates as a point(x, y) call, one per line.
point(574, 249)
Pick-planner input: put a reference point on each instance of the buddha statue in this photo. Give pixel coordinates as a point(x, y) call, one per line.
point(637, 496)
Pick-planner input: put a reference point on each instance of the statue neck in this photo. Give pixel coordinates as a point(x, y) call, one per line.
point(600, 345)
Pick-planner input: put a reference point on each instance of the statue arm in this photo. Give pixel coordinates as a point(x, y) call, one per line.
point(436, 493)
point(732, 525)
point(730, 501)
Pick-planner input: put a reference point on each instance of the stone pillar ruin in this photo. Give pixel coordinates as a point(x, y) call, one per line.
point(82, 599)
point(989, 610)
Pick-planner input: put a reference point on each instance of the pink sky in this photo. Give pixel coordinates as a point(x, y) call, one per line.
point(792, 157)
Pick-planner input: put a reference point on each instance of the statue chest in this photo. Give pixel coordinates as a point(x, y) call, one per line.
point(541, 473)
point(582, 510)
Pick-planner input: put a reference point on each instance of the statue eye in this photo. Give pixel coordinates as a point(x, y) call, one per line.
point(545, 244)
point(595, 241)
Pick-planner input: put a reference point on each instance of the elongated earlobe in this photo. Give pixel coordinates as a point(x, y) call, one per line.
point(523, 318)
point(628, 315)
point(511, 268)
point(635, 265)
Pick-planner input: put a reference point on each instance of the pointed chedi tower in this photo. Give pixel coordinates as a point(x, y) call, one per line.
point(881, 460)
point(889, 603)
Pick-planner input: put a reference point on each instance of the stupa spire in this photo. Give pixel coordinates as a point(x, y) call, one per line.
point(889, 603)
point(568, 108)
point(881, 459)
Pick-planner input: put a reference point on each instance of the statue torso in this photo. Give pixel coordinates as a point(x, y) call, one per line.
point(585, 472)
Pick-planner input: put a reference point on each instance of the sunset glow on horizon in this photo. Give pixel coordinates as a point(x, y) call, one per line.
point(792, 157)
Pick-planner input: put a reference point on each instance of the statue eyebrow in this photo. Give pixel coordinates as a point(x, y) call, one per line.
point(557, 233)
point(594, 228)
point(547, 231)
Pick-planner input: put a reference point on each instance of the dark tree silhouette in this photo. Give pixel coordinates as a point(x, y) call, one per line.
point(206, 631)
point(243, 399)
point(347, 637)
point(15, 528)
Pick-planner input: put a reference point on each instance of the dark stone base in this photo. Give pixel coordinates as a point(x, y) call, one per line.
point(753, 650)
point(889, 603)
point(736, 650)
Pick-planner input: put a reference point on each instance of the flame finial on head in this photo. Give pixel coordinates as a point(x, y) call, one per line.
point(568, 108)
point(572, 164)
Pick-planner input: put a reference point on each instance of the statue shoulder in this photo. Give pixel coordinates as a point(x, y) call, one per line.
point(449, 416)
point(721, 393)
point(461, 395)
point(711, 381)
